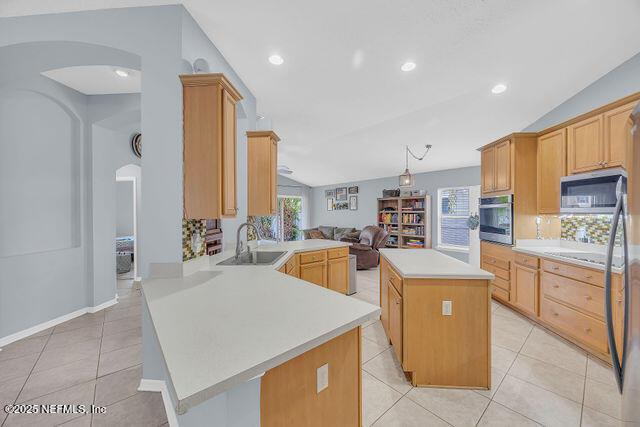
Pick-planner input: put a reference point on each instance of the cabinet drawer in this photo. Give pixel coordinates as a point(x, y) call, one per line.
point(574, 272)
point(501, 283)
point(499, 293)
point(581, 295)
point(586, 329)
point(315, 256)
point(395, 279)
point(498, 272)
point(527, 260)
point(337, 253)
point(497, 262)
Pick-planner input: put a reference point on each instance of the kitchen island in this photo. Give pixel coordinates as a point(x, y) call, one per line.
point(236, 345)
point(436, 312)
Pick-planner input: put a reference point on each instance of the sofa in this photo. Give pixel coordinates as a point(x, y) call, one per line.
point(366, 246)
point(330, 232)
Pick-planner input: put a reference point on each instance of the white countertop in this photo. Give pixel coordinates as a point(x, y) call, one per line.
point(431, 264)
point(549, 248)
point(223, 325)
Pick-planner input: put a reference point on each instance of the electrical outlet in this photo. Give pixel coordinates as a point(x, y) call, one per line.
point(322, 377)
point(447, 308)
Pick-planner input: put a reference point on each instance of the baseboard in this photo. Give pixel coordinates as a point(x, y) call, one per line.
point(54, 322)
point(161, 387)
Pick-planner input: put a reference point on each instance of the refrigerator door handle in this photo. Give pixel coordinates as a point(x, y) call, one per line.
point(618, 364)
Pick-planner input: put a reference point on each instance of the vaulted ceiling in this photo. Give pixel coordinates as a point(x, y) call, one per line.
point(345, 110)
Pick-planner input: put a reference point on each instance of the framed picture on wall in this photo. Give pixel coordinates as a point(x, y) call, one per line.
point(330, 204)
point(330, 193)
point(341, 194)
point(353, 203)
point(342, 206)
point(353, 190)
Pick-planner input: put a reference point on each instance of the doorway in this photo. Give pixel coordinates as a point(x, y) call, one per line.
point(126, 221)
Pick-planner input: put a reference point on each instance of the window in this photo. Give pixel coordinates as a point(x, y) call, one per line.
point(453, 212)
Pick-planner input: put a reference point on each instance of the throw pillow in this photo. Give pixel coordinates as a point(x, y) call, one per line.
point(353, 235)
point(327, 231)
point(340, 232)
point(316, 234)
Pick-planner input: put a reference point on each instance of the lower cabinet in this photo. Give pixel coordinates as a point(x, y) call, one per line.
point(526, 289)
point(289, 394)
point(384, 296)
point(338, 274)
point(315, 273)
point(395, 319)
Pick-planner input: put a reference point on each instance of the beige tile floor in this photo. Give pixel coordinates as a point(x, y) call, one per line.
point(538, 379)
point(92, 359)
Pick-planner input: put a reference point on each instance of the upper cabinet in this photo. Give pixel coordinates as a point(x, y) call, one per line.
point(262, 163)
point(209, 168)
point(552, 165)
point(488, 172)
point(496, 168)
point(585, 145)
point(503, 166)
point(617, 134)
point(600, 141)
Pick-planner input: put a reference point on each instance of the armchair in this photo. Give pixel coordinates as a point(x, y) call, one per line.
point(366, 247)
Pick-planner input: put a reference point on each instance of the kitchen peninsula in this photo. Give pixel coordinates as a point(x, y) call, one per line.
point(237, 344)
point(436, 311)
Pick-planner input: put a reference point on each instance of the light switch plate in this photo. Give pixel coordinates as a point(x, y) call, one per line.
point(447, 308)
point(322, 377)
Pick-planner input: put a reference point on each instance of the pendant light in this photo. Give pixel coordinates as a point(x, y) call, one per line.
point(406, 179)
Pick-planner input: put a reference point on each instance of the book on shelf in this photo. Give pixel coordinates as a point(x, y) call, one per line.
point(411, 218)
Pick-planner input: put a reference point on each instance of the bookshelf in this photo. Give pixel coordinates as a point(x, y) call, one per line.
point(407, 220)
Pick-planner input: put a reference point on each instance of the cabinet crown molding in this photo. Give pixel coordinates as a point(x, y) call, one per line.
point(211, 79)
point(262, 133)
point(512, 136)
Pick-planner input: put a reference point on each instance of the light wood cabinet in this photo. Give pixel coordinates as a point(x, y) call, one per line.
point(314, 273)
point(503, 166)
point(552, 165)
point(585, 145)
point(496, 167)
point(291, 267)
point(395, 320)
point(289, 395)
point(384, 294)
point(488, 169)
point(209, 155)
point(617, 134)
point(338, 274)
point(526, 289)
point(262, 162)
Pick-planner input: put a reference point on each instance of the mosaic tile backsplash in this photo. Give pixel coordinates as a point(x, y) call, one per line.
point(193, 237)
point(597, 228)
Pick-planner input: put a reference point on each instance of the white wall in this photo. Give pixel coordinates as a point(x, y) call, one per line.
point(371, 190)
point(35, 288)
point(124, 208)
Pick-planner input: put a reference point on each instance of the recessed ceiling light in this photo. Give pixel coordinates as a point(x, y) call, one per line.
point(121, 73)
point(408, 66)
point(499, 88)
point(276, 59)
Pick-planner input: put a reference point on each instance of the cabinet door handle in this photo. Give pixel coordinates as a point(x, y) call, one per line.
point(554, 313)
point(397, 302)
point(555, 268)
point(587, 330)
point(556, 286)
point(588, 297)
point(588, 277)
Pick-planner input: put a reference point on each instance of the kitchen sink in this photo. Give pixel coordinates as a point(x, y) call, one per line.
point(254, 258)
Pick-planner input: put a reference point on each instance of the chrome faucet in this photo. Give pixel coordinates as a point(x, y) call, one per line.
point(239, 242)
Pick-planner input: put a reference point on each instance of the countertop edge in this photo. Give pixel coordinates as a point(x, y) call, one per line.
point(487, 276)
point(541, 254)
point(186, 403)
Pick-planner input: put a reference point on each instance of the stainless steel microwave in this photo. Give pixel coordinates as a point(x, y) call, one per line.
point(496, 219)
point(592, 192)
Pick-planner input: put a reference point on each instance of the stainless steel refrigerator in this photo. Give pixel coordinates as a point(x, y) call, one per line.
point(626, 356)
